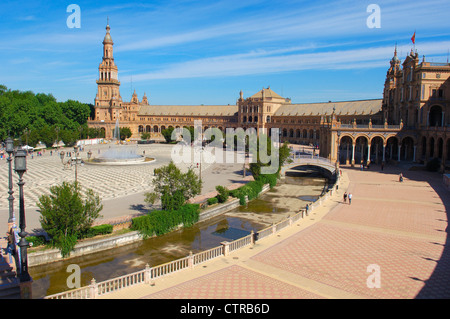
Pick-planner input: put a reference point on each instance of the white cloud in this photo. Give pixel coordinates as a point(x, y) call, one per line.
point(264, 62)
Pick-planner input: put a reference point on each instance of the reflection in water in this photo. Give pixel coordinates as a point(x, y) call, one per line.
point(271, 207)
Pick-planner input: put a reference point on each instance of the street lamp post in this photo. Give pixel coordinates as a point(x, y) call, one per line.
point(76, 161)
point(20, 166)
point(10, 151)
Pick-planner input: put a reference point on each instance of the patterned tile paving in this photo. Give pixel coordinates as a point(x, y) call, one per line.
point(339, 257)
point(234, 282)
point(108, 181)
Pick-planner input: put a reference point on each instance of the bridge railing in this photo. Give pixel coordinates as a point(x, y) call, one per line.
point(149, 274)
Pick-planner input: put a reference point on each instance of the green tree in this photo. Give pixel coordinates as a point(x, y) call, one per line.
point(173, 187)
point(223, 194)
point(38, 112)
point(167, 133)
point(67, 214)
point(264, 148)
point(125, 132)
point(145, 136)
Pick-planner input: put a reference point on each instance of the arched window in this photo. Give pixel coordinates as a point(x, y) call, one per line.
point(435, 116)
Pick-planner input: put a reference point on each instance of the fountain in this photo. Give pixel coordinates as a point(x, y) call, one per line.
point(120, 154)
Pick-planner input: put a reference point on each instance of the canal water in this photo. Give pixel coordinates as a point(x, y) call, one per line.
point(289, 197)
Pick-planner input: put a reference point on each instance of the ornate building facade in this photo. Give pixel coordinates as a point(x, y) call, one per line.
point(409, 123)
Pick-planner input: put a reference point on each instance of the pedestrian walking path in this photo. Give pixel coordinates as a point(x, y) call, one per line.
point(391, 242)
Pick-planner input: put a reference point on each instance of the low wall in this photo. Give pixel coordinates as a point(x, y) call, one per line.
point(83, 248)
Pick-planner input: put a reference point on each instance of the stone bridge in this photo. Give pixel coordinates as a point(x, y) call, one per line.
point(309, 160)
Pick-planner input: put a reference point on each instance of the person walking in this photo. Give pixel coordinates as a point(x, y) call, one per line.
point(345, 197)
point(350, 198)
point(400, 178)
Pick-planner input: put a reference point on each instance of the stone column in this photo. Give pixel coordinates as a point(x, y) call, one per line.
point(414, 153)
point(384, 152)
point(346, 156)
point(226, 248)
point(376, 153)
point(353, 154)
point(398, 153)
point(368, 154)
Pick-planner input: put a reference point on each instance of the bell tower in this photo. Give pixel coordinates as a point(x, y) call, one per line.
point(108, 85)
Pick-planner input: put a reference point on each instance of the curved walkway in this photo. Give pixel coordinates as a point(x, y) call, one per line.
point(392, 235)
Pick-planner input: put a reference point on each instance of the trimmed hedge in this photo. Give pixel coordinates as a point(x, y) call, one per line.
point(212, 200)
point(253, 188)
point(160, 222)
point(98, 230)
point(104, 229)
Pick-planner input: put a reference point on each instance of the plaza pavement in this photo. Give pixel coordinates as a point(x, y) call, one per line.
point(394, 232)
point(121, 188)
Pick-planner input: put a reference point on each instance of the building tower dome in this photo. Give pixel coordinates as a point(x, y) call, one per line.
point(395, 59)
point(108, 38)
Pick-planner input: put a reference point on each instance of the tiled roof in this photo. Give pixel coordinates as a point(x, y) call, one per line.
point(189, 110)
point(364, 107)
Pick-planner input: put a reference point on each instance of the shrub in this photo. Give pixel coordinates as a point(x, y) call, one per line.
point(235, 193)
point(270, 179)
point(99, 230)
point(189, 214)
point(161, 222)
point(212, 200)
point(223, 194)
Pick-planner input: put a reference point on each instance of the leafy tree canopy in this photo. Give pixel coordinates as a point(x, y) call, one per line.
point(40, 117)
point(173, 187)
point(67, 214)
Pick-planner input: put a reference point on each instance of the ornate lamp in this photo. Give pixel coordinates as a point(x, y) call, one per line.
point(10, 151)
point(20, 166)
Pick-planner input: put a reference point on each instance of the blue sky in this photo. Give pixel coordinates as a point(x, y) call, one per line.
point(205, 52)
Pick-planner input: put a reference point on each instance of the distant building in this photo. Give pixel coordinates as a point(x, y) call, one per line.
point(409, 123)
